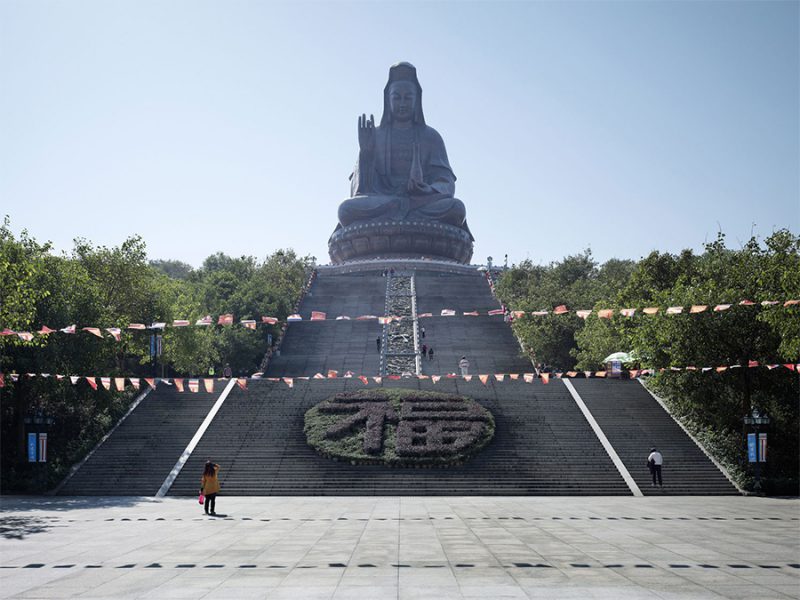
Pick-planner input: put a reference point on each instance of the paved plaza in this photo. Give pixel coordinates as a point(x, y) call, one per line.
point(401, 547)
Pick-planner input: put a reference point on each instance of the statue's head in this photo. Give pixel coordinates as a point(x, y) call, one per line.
point(402, 96)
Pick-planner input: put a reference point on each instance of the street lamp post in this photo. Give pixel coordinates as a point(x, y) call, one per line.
point(755, 452)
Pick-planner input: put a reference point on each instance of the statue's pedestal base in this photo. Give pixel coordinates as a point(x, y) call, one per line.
point(400, 239)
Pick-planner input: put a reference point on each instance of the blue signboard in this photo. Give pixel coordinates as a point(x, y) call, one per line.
point(32, 447)
point(751, 447)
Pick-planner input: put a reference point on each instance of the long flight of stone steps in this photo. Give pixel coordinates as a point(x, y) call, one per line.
point(543, 444)
point(633, 421)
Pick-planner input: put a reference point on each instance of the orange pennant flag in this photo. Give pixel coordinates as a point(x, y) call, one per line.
point(151, 382)
point(698, 308)
point(45, 330)
point(791, 302)
point(209, 385)
point(178, 384)
point(241, 382)
point(571, 373)
point(721, 369)
point(92, 381)
point(606, 313)
point(363, 379)
point(139, 326)
point(484, 379)
point(120, 383)
point(545, 378)
point(600, 373)
point(333, 374)
point(226, 319)
point(269, 320)
point(514, 376)
point(650, 310)
point(561, 309)
point(318, 316)
point(194, 385)
point(518, 313)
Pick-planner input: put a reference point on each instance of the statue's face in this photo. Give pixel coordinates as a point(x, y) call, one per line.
point(402, 100)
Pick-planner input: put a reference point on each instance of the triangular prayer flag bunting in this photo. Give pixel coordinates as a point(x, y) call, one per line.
point(752, 363)
point(528, 377)
point(790, 366)
point(248, 323)
point(587, 374)
point(448, 312)
point(634, 373)
point(92, 382)
point(518, 314)
point(226, 319)
point(377, 380)
point(698, 308)
point(134, 382)
point(26, 336)
point(333, 374)
point(178, 384)
point(288, 381)
point(571, 373)
point(209, 385)
point(157, 325)
point(770, 367)
point(791, 302)
point(467, 377)
point(205, 321)
point(106, 381)
point(194, 385)
point(180, 323)
point(115, 331)
point(435, 378)
point(73, 379)
point(8, 331)
point(606, 313)
point(474, 313)
point(540, 313)
point(627, 312)
point(319, 376)
point(424, 315)
point(2, 380)
point(366, 318)
point(514, 376)
point(583, 313)
point(241, 382)
point(363, 379)
point(348, 374)
point(651, 310)
point(70, 329)
point(561, 309)
point(139, 326)
point(318, 315)
point(545, 378)
point(721, 369)
point(499, 376)
point(151, 382)
point(45, 330)
point(746, 303)
point(721, 307)
point(600, 373)
point(269, 320)
point(496, 311)
point(484, 379)
point(674, 310)
point(119, 382)
point(393, 377)
point(769, 302)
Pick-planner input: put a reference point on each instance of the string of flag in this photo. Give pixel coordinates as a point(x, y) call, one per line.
point(183, 384)
point(228, 319)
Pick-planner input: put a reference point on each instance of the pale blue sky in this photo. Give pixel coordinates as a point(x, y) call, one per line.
point(231, 126)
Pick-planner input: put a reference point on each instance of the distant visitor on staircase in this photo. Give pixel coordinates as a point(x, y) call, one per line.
point(463, 364)
point(654, 462)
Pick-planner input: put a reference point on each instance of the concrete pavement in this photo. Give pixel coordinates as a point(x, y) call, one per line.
point(400, 547)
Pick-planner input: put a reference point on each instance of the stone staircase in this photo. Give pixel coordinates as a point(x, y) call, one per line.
point(138, 456)
point(542, 446)
point(633, 421)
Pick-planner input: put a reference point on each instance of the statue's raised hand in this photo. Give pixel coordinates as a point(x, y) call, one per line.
point(366, 133)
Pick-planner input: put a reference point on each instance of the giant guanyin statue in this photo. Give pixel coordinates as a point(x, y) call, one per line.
point(402, 188)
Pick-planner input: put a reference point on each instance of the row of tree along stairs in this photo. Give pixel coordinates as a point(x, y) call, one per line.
point(543, 444)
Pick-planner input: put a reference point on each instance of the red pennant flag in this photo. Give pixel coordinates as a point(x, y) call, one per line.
point(134, 382)
point(26, 336)
point(545, 378)
point(178, 384)
point(8, 331)
point(115, 331)
point(363, 379)
point(571, 373)
point(746, 303)
point(514, 376)
point(2, 380)
point(496, 311)
point(288, 381)
point(333, 374)
point(789, 366)
point(226, 319)
point(180, 323)
point(45, 330)
point(606, 313)
point(318, 315)
point(93, 331)
point(752, 363)
point(561, 309)
point(194, 385)
point(269, 320)
point(119, 382)
point(209, 385)
point(151, 382)
point(241, 382)
point(393, 377)
point(92, 382)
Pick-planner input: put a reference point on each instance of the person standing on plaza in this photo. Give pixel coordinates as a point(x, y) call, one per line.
point(209, 487)
point(463, 364)
point(424, 350)
point(430, 353)
point(654, 462)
